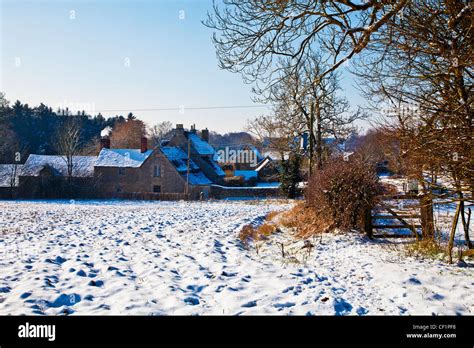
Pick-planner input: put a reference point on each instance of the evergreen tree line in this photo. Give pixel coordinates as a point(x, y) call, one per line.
point(34, 130)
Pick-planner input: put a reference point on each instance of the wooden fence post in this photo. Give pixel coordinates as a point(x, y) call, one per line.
point(368, 222)
point(426, 216)
point(453, 232)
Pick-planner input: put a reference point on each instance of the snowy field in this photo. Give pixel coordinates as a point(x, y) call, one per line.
point(185, 258)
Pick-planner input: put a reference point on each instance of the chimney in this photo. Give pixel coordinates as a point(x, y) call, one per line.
point(205, 135)
point(143, 145)
point(104, 143)
point(179, 129)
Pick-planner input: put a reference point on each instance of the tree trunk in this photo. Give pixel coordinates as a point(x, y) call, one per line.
point(465, 224)
point(368, 222)
point(311, 139)
point(319, 140)
point(426, 213)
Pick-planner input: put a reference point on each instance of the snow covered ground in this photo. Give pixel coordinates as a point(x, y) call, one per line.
point(156, 258)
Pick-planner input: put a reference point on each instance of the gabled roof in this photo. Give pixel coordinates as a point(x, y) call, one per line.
point(6, 174)
point(130, 158)
point(83, 166)
point(179, 159)
point(201, 146)
point(215, 166)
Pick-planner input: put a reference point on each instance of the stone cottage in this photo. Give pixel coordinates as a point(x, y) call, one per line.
point(162, 170)
point(182, 167)
point(200, 151)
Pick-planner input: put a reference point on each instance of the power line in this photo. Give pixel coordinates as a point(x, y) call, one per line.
point(183, 108)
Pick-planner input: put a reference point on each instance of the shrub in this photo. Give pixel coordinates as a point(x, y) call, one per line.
point(342, 191)
point(250, 233)
point(426, 248)
point(291, 176)
point(304, 220)
point(234, 181)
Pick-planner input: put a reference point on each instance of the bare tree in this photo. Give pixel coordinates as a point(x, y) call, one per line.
point(251, 34)
point(422, 64)
point(69, 142)
point(272, 134)
point(307, 103)
point(160, 131)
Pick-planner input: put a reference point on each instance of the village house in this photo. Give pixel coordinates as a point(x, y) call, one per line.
point(200, 151)
point(165, 172)
point(162, 170)
point(48, 176)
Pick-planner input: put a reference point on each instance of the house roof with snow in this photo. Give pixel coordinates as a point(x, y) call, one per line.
point(216, 167)
point(179, 159)
point(9, 174)
point(130, 158)
point(83, 166)
point(202, 147)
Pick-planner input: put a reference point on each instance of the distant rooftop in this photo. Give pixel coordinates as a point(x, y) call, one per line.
point(180, 161)
point(201, 146)
point(83, 166)
point(130, 158)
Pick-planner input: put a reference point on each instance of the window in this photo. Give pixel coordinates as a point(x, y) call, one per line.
point(157, 171)
point(157, 189)
point(121, 171)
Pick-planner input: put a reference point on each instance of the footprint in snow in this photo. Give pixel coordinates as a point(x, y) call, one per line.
point(97, 283)
point(220, 288)
point(338, 291)
point(414, 281)
point(5, 290)
point(57, 261)
point(196, 288)
point(25, 295)
point(246, 279)
point(193, 301)
point(438, 297)
point(250, 304)
point(64, 300)
point(284, 305)
point(229, 274)
point(342, 307)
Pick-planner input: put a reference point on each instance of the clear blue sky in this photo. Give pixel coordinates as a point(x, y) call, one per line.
point(117, 54)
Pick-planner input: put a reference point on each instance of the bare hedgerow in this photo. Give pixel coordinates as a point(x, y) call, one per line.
point(342, 192)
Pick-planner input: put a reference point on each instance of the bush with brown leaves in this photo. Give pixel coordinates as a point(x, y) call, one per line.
point(341, 193)
point(249, 233)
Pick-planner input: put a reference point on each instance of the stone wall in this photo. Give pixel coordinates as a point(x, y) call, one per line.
point(220, 192)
